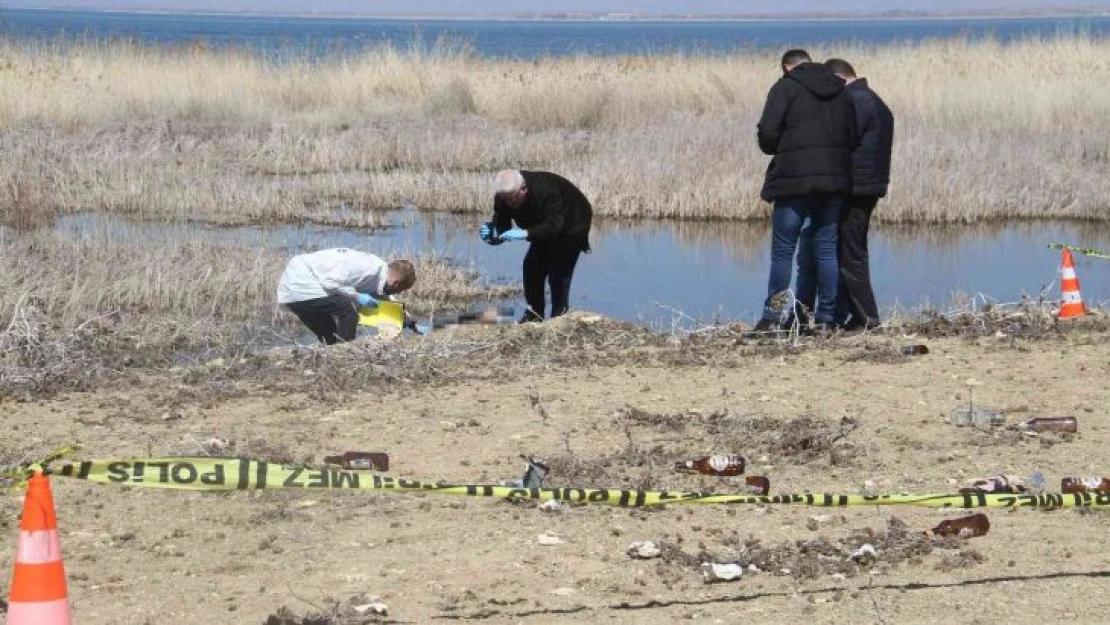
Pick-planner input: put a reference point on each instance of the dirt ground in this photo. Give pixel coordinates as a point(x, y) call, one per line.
point(844, 416)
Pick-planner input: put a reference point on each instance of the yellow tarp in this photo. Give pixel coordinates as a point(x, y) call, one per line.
point(388, 318)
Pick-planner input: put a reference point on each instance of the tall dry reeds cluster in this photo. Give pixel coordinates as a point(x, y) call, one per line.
point(73, 279)
point(985, 130)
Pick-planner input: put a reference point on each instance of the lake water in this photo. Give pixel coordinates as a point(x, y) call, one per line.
point(283, 36)
point(648, 271)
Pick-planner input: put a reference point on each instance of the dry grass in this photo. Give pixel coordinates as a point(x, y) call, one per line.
point(74, 310)
point(985, 130)
point(74, 279)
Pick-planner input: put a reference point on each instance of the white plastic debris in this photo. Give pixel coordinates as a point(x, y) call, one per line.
point(563, 592)
point(550, 506)
point(549, 540)
point(643, 549)
point(376, 607)
point(714, 572)
point(864, 554)
point(752, 568)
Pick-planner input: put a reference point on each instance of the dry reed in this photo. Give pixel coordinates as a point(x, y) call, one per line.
point(74, 279)
point(985, 130)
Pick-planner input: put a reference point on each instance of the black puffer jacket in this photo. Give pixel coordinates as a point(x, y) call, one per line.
point(875, 135)
point(554, 211)
point(808, 125)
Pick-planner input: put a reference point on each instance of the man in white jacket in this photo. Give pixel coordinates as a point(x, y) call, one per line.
point(323, 288)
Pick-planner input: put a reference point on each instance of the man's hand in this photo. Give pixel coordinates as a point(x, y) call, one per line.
point(365, 301)
point(515, 234)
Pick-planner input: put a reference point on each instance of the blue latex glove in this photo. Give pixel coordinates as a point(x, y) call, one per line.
point(516, 234)
point(365, 301)
point(421, 329)
point(485, 232)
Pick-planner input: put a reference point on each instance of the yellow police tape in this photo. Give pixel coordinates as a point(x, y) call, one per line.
point(16, 476)
point(224, 474)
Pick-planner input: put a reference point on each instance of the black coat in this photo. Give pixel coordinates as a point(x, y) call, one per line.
point(554, 211)
point(808, 125)
point(874, 134)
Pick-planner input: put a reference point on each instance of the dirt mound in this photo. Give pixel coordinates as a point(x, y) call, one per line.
point(817, 557)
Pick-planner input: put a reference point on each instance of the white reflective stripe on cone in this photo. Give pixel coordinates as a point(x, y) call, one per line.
point(1072, 297)
point(38, 547)
point(40, 613)
point(1068, 273)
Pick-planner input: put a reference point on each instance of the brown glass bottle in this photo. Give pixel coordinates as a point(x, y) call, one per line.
point(757, 484)
point(713, 465)
point(361, 460)
point(964, 527)
point(1085, 485)
point(915, 350)
point(1051, 424)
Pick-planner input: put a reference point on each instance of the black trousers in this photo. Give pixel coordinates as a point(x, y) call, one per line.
point(554, 263)
point(856, 299)
point(331, 319)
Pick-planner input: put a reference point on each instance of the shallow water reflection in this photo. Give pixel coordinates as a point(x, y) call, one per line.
point(653, 271)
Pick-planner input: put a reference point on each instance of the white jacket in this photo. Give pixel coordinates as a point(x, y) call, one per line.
point(336, 271)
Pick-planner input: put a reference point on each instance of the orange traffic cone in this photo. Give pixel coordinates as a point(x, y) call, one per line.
point(1072, 304)
point(38, 592)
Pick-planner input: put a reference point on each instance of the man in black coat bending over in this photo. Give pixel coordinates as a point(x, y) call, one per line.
point(555, 217)
point(856, 306)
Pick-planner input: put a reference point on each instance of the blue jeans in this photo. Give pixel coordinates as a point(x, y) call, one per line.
point(808, 224)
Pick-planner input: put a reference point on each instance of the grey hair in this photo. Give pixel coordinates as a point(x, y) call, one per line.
point(508, 181)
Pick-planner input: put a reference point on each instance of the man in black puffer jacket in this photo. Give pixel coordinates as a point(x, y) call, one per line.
point(808, 126)
point(856, 306)
point(555, 217)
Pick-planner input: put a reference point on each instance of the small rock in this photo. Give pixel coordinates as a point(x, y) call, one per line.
point(214, 444)
point(839, 577)
point(714, 572)
point(643, 550)
point(447, 425)
point(549, 540)
point(563, 592)
point(752, 568)
point(375, 607)
point(864, 554)
point(550, 506)
point(817, 521)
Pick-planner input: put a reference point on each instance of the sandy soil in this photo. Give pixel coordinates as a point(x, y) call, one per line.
point(146, 556)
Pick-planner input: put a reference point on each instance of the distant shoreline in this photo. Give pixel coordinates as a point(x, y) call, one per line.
point(608, 18)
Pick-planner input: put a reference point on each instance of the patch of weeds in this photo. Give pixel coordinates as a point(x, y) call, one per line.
point(356, 610)
point(821, 556)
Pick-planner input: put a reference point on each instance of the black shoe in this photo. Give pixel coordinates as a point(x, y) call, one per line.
point(824, 330)
point(855, 327)
point(530, 317)
point(765, 327)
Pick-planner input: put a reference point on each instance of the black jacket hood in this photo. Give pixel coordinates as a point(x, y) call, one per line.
point(817, 80)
